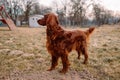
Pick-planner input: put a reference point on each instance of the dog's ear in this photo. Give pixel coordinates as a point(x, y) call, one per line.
point(52, 20)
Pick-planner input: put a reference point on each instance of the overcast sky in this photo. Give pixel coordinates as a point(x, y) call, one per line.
point(112, 4)
point(109, 4)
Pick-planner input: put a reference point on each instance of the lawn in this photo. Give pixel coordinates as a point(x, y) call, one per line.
point(23, 56)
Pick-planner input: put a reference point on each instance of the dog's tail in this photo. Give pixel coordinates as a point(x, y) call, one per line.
point(89, 31)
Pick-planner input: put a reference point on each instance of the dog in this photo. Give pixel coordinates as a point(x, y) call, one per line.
point(61, 42)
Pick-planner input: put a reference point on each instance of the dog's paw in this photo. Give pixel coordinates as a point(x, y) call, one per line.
point(78, 58)
point(85, 62)
point(50, 69)
point(63, 71)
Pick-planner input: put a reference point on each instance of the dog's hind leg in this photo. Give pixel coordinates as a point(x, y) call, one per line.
point(79, 53)
point(84, 51)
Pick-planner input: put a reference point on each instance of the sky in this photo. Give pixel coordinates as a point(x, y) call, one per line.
point(109, 4)
point(112, 4)
point(46, 2)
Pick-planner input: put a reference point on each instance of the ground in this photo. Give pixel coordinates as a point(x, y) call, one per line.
point(23, 56)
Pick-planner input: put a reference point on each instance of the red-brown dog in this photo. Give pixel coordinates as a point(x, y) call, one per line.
point(60, 42)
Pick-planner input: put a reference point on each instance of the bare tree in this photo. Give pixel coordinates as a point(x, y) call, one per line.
point(55, 6)
point(44, 9)
point(36, 9)
point(61, 16)
point(102, 15)
point(28, 4)
point(13, 7)
point(41, 9)
point(116, 19)
point(97, 11)
point(62, 10)
point(17, 10)
point(65, 10)
point(79, 8)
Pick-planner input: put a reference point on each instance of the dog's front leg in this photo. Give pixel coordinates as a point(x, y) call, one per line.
point(65, 63)
point(54, 62)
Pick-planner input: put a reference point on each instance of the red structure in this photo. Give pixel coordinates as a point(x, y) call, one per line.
point(5, 18)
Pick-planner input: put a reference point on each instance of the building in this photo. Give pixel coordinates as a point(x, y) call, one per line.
point(33, 20)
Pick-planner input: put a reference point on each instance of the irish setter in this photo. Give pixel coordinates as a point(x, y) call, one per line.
point(60, 42)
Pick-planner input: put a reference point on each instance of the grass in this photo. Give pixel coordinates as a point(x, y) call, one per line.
point(23, 53)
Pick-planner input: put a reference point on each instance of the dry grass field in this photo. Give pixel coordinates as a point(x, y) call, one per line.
point(23, 56)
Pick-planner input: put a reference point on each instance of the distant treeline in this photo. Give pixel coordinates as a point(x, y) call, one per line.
point(70, 12)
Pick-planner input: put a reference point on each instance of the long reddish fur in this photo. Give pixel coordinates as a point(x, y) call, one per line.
point(61, 42)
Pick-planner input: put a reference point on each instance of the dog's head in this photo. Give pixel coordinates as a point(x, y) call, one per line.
point(49, 19)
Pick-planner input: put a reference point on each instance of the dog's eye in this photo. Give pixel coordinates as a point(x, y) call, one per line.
point(46, 16)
